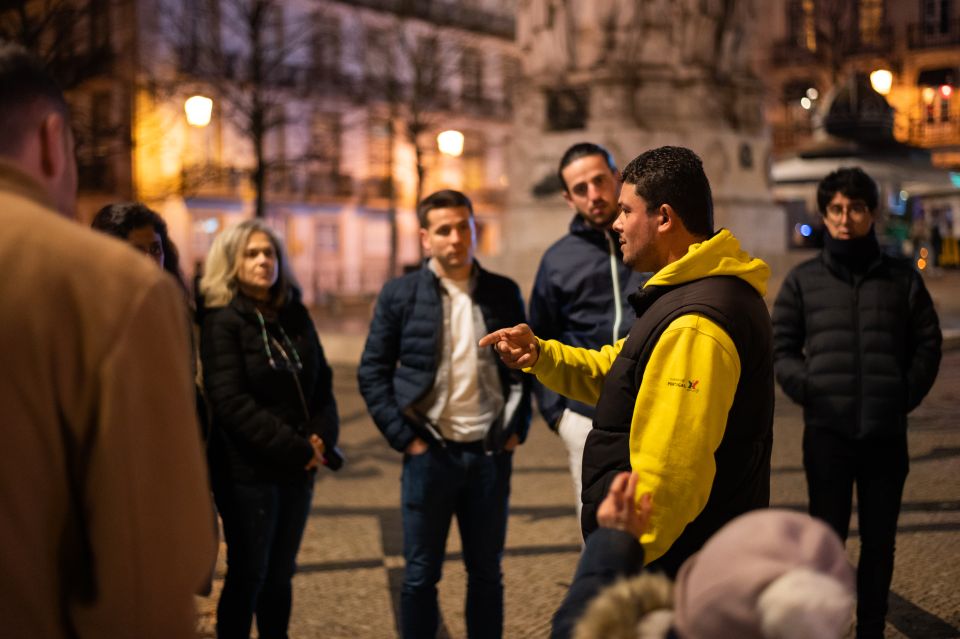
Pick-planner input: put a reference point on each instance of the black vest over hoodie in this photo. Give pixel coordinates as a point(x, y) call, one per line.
point(742, 480)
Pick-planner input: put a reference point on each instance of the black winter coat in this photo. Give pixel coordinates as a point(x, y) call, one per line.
point(574, 301)
point(859, 352)
point(260, 431)
point(402, 353)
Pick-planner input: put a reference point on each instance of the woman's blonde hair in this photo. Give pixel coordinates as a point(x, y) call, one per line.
point(219, 284)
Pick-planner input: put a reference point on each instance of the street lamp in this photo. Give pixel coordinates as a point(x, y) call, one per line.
point(450, 143)
point(198, 109)
point(881, 80)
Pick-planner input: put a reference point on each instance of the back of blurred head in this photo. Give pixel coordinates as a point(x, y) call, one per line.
point(35, 133)
point(768, 574)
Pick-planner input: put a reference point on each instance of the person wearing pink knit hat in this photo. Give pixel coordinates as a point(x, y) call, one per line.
point(768, 574)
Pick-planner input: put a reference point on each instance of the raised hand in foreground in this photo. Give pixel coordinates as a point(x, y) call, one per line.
point(620, 509)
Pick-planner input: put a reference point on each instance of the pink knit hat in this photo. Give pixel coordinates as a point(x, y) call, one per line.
point(766, 569)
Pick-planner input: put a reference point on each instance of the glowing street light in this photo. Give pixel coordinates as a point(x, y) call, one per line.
point(881, 80)
point(928, 94)
point(198, 109)
point(450, 143)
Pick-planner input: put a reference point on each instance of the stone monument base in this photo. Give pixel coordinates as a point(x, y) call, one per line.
point(735, 164)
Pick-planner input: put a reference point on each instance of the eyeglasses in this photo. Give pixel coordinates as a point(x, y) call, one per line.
point(854, 208)
point(292, 365)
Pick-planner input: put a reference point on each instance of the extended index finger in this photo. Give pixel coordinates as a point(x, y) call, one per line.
point(491, 338)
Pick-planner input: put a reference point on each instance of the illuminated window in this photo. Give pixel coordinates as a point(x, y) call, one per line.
point(809, 25)
point(474, 160)
point(802, 23)
point(871, 21)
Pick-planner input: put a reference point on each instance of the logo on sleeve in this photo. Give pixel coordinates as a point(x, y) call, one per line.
point(689, 385)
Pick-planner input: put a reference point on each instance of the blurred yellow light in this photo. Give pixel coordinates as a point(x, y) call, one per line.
point(450, 143)
point(881, 80)
point(198, 109)
point(921, 264)
point(928, 95)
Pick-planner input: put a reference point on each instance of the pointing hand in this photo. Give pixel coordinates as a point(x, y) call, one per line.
point(517, 347)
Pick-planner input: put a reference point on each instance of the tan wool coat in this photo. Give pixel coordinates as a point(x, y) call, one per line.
point(105, 516)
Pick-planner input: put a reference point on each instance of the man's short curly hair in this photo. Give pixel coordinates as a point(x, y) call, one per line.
point(674, 175)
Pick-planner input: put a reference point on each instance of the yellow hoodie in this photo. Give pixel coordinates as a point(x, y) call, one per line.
point(688, 387)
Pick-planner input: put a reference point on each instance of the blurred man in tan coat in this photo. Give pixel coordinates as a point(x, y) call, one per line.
point(105, 517)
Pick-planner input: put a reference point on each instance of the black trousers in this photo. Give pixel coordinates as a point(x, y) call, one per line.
point(833, 464)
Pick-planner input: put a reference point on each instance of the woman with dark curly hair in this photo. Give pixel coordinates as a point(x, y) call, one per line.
point(145, 230)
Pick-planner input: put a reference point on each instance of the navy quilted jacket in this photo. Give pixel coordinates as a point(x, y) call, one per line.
point(401, 356)
point(574, 301)
point(857, 351)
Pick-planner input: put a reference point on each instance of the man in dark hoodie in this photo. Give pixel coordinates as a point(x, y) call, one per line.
point(857, 344)
point(580, 293)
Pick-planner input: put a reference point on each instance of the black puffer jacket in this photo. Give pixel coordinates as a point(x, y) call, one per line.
point(260, 432)
point(858, 351)
point(402, 353)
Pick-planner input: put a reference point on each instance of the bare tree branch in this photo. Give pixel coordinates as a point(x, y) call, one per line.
point(250, 56)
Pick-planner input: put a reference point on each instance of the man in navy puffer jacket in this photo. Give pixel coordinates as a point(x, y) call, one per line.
point(453, 409)
point(580, 292)
point(857, 343)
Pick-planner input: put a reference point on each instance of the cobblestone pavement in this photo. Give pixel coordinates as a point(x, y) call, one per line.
point(351, 563)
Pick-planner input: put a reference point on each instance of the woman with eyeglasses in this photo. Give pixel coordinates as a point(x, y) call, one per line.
point(274, 422)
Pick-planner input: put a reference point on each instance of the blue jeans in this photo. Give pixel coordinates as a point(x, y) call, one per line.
point(459, 479)
point(263, 524)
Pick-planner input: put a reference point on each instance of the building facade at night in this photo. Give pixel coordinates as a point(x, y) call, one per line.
point(341, 102)
point(818, 44)
point(870, 82)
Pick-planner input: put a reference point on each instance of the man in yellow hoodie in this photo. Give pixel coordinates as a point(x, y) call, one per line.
point(686, 399)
